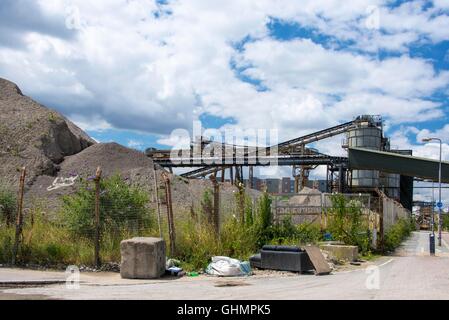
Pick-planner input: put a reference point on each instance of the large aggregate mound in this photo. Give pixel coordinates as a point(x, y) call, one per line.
point(34, 136)
point(133, 166)
point(58, 155)
point(112, 157)
point(130, 164)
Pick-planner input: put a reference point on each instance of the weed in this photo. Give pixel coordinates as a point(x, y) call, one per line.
point(8, 203)
point(122, 207)
point(52, 116)
point(397, 233)
point(346, 224)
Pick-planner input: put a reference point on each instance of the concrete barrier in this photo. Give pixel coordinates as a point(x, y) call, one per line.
point(142, 258)
point(341, 252)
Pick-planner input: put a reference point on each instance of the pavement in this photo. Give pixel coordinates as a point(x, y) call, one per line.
point(410, 273)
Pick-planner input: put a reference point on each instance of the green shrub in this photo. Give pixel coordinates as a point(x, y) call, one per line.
point(6, 243)
point(8, 204)
point(207, 206)
point(122, 208)
point(197, 242)
point(46, 243)
point(286, 233)
point(238, 240)
point(345, 223)
point(397, 233)
point(446, 222)
point(249, 218)
point(264, 220)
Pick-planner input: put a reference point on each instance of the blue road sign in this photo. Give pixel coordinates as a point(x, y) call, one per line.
point(439, 204)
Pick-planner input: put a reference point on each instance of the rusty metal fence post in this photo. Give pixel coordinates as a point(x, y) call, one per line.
point(171, 223)
point(241, 201)
point(19, 218)
point(216, 210)
point(156, 197)
point(97, 217)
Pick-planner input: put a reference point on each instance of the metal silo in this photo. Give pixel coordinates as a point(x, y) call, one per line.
point(366, 134)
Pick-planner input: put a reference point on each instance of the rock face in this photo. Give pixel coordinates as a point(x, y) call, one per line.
point(142, 258)
point(34, 136)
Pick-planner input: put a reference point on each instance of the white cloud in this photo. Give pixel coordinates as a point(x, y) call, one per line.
point(135, 144)
point(124, 67)
point(401, 139)
point(91, 124)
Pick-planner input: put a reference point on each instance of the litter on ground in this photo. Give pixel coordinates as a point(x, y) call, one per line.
point(228, 267)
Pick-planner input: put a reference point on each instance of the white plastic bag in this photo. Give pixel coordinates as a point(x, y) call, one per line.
point(226, 267)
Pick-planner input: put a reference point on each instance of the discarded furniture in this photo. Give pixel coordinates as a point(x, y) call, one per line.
point(283, 258)
point(255, 261)
point(319, 262)
point(142, 258)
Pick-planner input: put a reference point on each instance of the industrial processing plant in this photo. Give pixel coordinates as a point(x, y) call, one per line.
point(344, 174)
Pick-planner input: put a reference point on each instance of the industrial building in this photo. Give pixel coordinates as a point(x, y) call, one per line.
point(371, 164)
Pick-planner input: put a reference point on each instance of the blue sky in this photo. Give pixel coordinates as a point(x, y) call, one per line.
point(134, 71)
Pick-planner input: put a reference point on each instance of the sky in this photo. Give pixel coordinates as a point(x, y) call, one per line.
point(133, 71)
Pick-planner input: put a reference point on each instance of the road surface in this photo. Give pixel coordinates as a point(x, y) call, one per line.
point(408, 274)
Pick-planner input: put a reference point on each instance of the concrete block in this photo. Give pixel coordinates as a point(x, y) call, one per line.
point(341, 252)
point(142, 258)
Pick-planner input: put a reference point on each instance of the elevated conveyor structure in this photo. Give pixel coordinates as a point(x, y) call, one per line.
point(294, 148)
point(209, 157)
point(411, 166)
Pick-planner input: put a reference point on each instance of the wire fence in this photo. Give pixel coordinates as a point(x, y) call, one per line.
point(102, 212)
point(379, 212)
point(315, 207)
point(97, 213)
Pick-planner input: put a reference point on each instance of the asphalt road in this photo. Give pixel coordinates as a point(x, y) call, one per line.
point(409, 274)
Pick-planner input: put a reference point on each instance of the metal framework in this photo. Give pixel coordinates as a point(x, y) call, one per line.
point(288, 153)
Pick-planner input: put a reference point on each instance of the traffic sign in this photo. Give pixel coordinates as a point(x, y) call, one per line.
point(440, 205)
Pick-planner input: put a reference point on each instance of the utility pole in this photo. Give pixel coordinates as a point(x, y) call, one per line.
point(433, 209)
point(439, 204)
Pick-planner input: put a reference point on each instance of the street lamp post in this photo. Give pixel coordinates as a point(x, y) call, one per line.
point(440, 207)
point(433, 209)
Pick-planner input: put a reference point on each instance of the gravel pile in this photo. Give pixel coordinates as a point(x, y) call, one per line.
point(34, 136)
point(58, 154)
point(136, 169)
point(307, 197)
